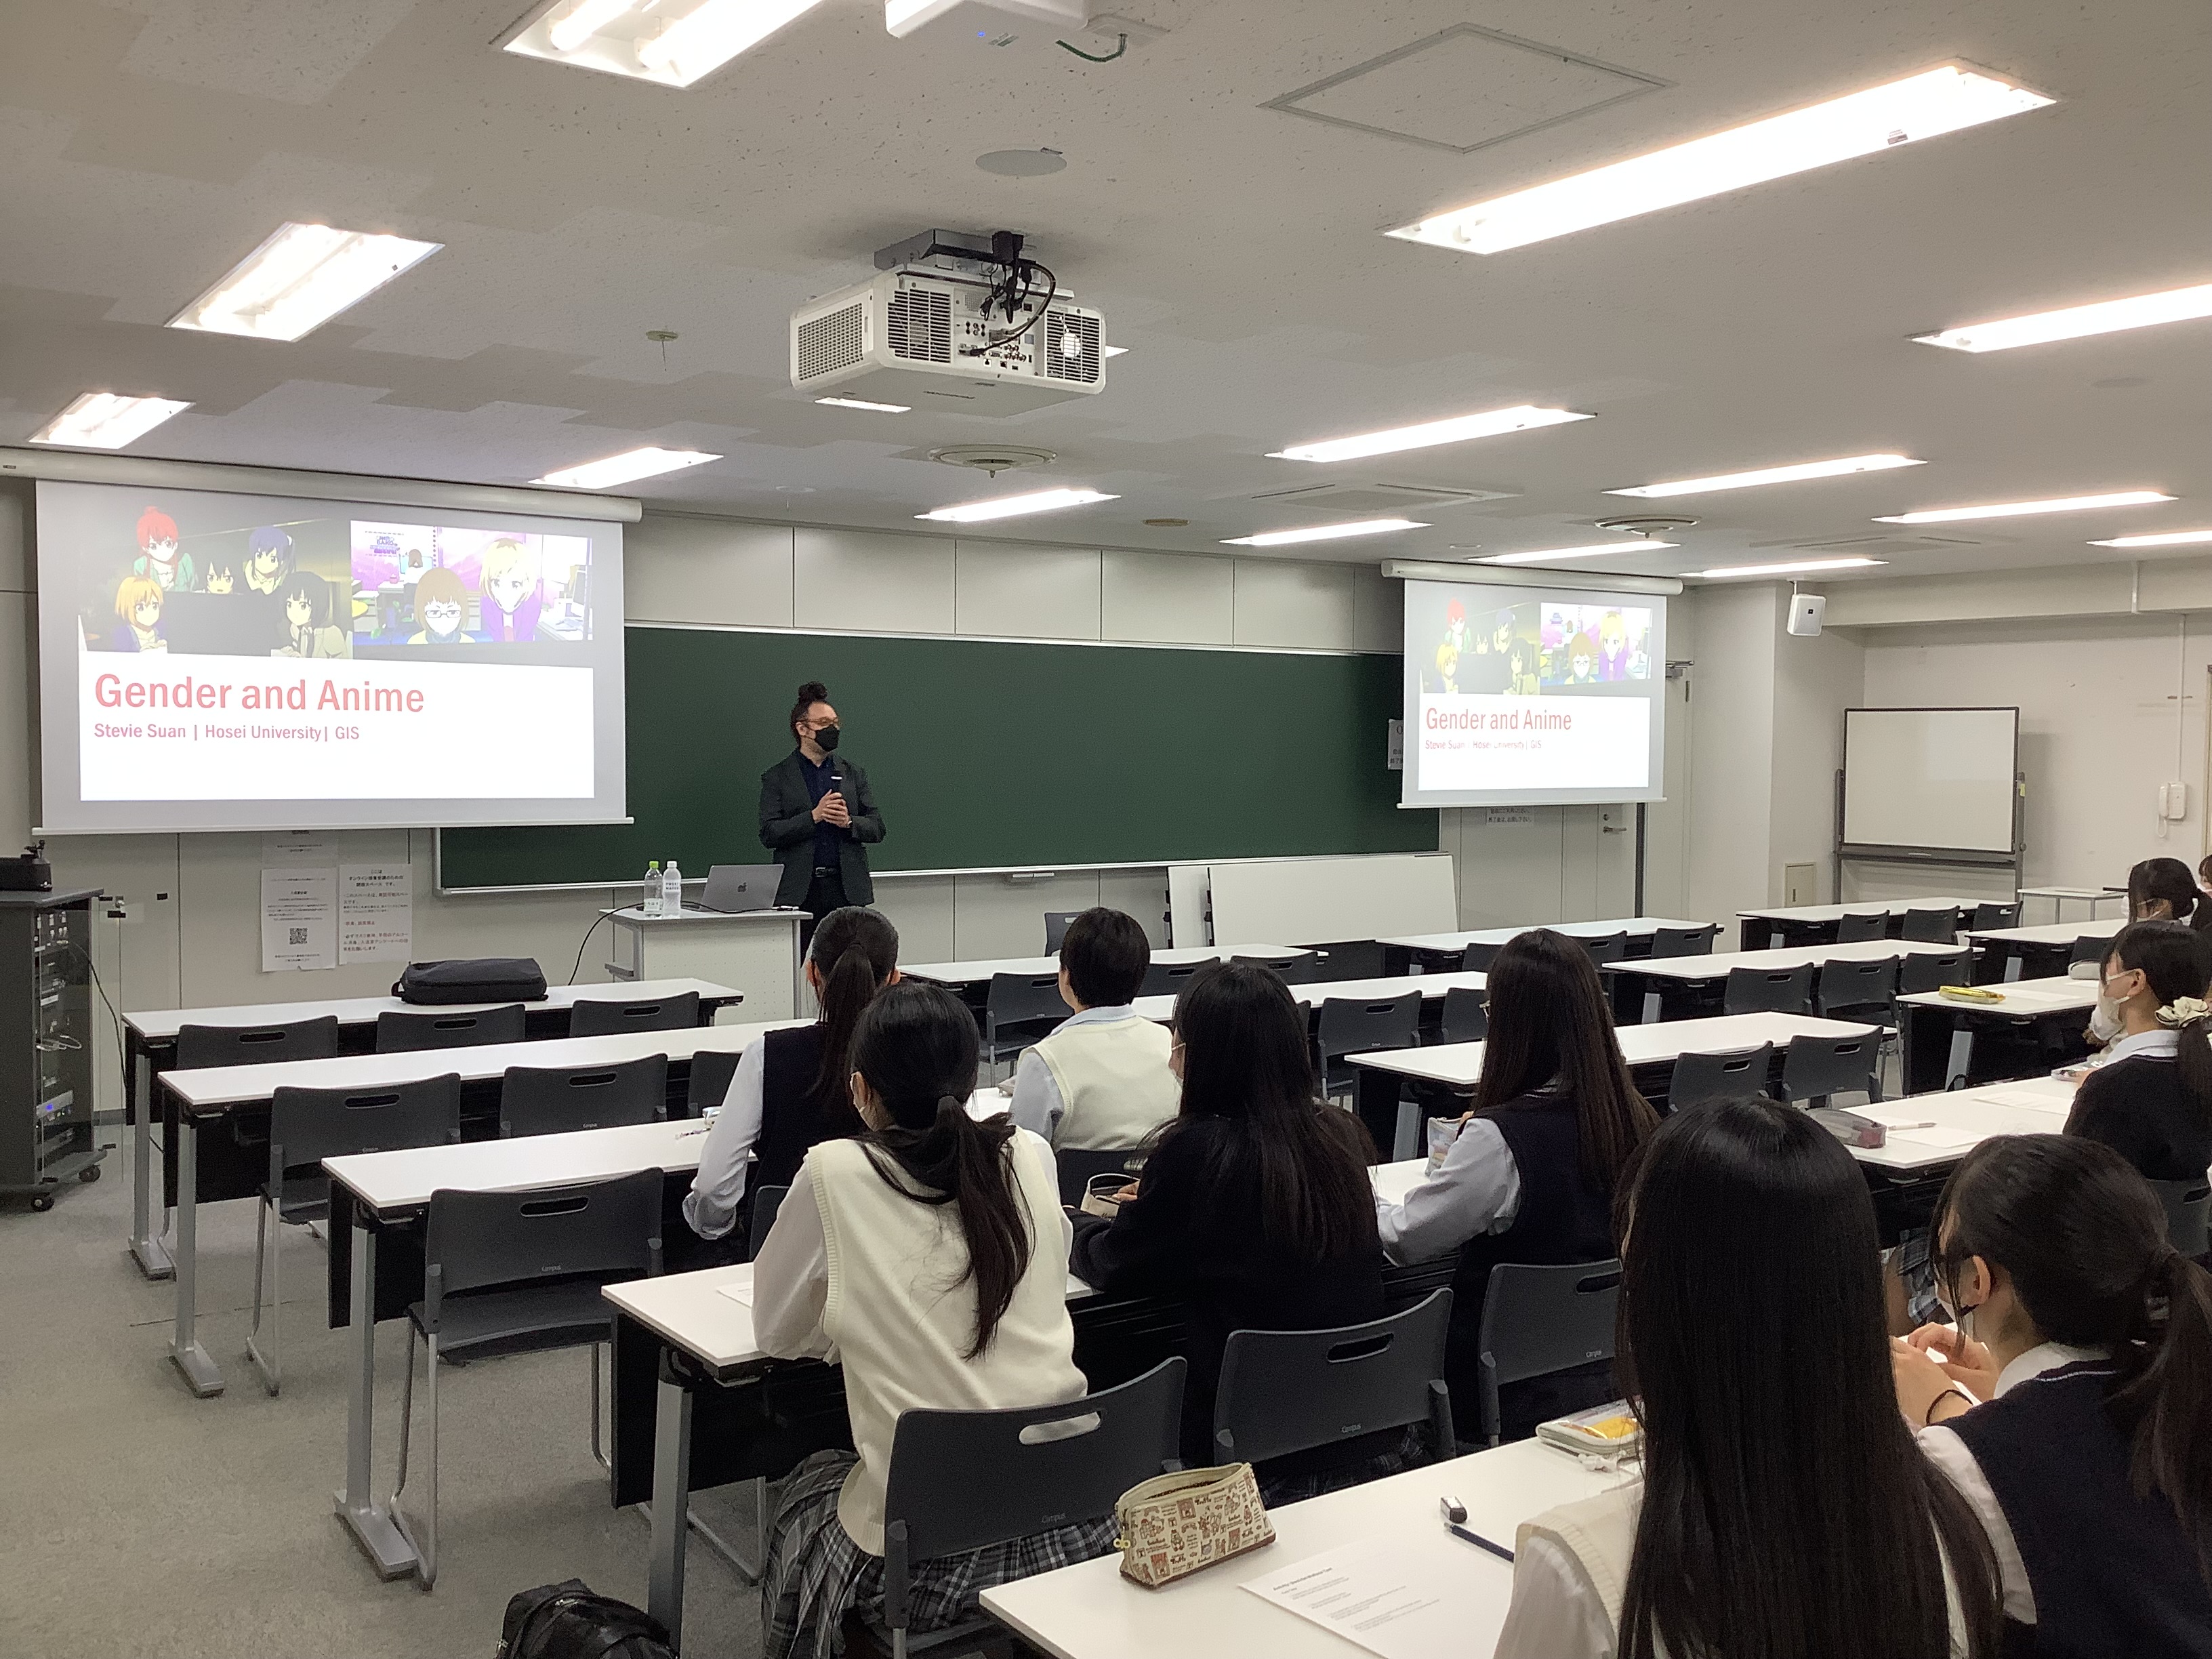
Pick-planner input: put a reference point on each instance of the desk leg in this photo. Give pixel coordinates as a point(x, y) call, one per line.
point(388, 1549)
point(153, 1259)
point(671, 1507)
point(201, 1375)
point(1650, 1007)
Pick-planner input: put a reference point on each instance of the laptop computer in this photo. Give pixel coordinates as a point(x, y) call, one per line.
point(732, 888)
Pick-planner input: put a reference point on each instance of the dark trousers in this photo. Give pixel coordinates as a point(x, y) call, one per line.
point(827, 894)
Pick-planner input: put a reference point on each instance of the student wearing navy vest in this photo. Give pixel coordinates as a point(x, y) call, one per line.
point(2073, 1405)
point(2151, 1099)
point(1531, 1176)
point(791, 1087)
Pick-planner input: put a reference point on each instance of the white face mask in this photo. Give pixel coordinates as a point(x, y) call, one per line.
point(2105, 1018)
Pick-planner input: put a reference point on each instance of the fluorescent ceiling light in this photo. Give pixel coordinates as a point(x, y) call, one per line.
point(1797, 568)
point(1770, 475)
point(641, 38)
point(1458, 429)
point(299, 279)
point(567, 28)
point(1013, 506)
point(2022, 509)
point(104, 420)
point(709, 35)
point(1637, 544)
point(647, 463)
point(1324, 533)
point(2175, 305)
point(862, 403)
point(1924, 105)
point(2164, 539)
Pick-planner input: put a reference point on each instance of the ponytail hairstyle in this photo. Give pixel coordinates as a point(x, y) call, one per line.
point(2083, 1239)
point(809, 694)
point(2171, 959)
point(917, 1049)
point(2168, 879)
point(854, 953)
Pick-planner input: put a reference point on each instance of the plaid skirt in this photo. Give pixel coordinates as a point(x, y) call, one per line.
point(816, 1573)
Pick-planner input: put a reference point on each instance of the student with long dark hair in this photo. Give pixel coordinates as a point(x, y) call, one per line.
point(2087, 1338)
point(793, 1087)
point(1531, 1177)
point(2151, 1099)
point(931, 1255)
point(1255, 1208)
point(1784, 1511)
point(2162, 890)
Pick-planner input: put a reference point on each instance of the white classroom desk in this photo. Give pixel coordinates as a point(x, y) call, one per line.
point(755, 949)
point(1699, 970)
point(1089, 1611)
point(2060, 897)
point(1431, 987)
point(149, 1029)
point(212, 1090)
point(2018, 999)
point(1943, 1128)
point(981, 972)
point(1459, 1065)
point(1634, 926)
point(1821, 915)
point(2050, 936)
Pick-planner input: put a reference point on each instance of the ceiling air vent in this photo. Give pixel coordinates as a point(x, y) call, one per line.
point(1380, 498)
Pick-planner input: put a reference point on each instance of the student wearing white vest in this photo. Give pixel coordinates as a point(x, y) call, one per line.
point(1100, 1080)
point(929, 1258)
point(1784, 1510)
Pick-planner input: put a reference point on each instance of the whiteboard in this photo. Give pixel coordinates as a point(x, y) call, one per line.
point(1326, 901)
point(1930, 780)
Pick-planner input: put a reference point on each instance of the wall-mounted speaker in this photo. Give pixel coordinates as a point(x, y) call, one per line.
point(1806, 611)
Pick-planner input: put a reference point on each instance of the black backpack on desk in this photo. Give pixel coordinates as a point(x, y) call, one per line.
point(566, 1621)
point(472, 978)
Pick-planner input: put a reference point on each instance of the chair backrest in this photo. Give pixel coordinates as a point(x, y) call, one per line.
point(1768, 990)
point(1611, 948)
point(306, 1125)
point(1854, 984)
point(1077, 1166)
point(2188, 1214)
point(546, 1100)
point(2090, 947)
point(1019, 999)
point(1465, 1016)
point(1933, 926)
point(199, 1046)
point(1738, 1074)
point(1477, 958)
point(1302, 969)
point(1353, 959)
point(593, 1228)
point(1291, 1391)
point(1536, 1321)
point(1815, 1068)
point(1684, 941)
point(1354, 1025)
point(1055, 928)
point(598, 1016)
point(1927, 971)
point(960, 1480)
point(709, 1081)
point(1851, 929)
point(398, 1033)
point(1167, 979)
point(766, 1200)
point(1995, 915)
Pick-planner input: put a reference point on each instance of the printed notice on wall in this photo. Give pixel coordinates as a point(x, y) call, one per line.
point(299, 919)
point(376, 912)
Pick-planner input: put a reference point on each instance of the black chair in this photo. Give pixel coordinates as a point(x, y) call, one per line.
point(1355, 959)
point(1861, 985)
point(1355, 1025)
point(1684, 941)
point(766, 1200)
point(1856, 929)
point(1932, 926)
point(1292, 1391)
point(1768, 990)
point(551, 1100)
point(1019, 1010)
point(1477, 958)
point(1466, 1015)
point(709, 1082)
point(1609, 948)
point(1167, 979)
point(1930, 972)
point(2090, 947)
point(405, 1034)
point(1538, 1320)
point(598, 1016)
point(200, 1045)
point(306, 1125)
point(1990, 916)
point(1056, 929)
point(1079, 1165)
point(1302, 969)
point(521, 1272)
point(1815, 1067)
point(1735, 1074)
point(2188, 1214)
point(959, 1480)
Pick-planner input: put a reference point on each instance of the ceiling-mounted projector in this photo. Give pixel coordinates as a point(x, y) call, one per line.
point(956, 321)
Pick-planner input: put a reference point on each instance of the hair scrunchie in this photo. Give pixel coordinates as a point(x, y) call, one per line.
point(2182, 1012)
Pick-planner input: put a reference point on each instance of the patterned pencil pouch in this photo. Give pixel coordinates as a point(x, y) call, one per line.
point(1172, 1525)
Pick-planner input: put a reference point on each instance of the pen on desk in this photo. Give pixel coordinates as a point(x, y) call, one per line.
point(1454, 1514)
point(1894, 1126)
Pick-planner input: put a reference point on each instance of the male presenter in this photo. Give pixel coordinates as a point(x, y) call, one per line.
point(817, 814)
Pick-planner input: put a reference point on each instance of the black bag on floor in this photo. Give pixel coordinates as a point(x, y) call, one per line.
point(472, 978)
point(566, 1621)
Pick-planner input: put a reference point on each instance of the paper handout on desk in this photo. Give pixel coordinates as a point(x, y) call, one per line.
point(1422, 1594)
point(1942, 1137)
point(2031, 1097)
point(740, 1294)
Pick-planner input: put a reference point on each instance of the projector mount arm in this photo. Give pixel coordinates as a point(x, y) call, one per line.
point(1000, 254)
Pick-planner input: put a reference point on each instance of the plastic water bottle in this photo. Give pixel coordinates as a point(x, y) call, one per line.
point(671, 890)
point(651, 902)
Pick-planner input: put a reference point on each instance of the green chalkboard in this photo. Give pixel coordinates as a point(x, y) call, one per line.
point(985, 754)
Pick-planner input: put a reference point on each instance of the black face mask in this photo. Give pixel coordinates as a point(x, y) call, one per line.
point(826, 739)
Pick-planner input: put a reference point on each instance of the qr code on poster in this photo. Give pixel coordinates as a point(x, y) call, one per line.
point(299, 936)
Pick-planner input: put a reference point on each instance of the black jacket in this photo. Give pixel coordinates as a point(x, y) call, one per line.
point(2139, 1107)
point(787, 829)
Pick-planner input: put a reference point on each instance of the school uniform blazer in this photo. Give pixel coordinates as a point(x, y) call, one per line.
point(787, 829)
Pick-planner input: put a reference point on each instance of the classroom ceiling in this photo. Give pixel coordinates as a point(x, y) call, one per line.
point(1234, 245)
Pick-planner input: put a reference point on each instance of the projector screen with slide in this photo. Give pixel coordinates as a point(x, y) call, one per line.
point(1931, 780)
point(1531, 696)
point(214, 661)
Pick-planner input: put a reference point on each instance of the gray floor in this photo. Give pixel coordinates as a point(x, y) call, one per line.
point(135, 1519)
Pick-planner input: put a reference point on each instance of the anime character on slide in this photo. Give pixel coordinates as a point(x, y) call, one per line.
point(514, 593)
point(159, 555)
